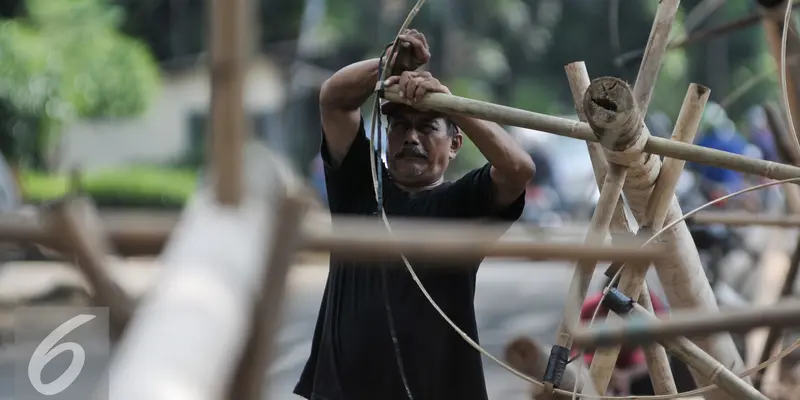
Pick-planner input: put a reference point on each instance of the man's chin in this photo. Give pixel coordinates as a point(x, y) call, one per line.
point(407, 174)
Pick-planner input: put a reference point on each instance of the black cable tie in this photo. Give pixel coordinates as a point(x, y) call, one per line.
point(556, 365)
point(612, 269)
point(617, 302)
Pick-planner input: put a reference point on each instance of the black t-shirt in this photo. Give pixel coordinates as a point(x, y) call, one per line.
point(352, 355)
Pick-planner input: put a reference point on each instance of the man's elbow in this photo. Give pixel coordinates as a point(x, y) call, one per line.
point(327, 95)
point(524, 171)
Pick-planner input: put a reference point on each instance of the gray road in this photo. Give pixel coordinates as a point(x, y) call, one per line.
point(511, 300)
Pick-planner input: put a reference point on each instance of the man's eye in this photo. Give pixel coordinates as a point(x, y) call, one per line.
point(427, 129)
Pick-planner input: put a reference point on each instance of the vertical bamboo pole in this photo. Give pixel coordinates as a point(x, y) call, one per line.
point(632, 282)
point(773, 25)
point(763, 341)
point(617, 126)
point(598, 230)
point(604, 362)
point(579, 82)
point(248, 383)
point(230, 44)
point(681, 272)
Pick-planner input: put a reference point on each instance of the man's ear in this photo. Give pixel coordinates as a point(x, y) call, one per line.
point(455, 144)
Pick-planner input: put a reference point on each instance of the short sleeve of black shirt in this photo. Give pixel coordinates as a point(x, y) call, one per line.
point(473, 197)
point(349, 184)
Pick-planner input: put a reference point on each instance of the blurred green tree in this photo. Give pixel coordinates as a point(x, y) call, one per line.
point(62, 60)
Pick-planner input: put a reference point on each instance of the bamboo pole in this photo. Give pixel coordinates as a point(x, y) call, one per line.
point(742, 218)
point(653, 53)
point(632, 281)
point(773, 266)
point(77, 223)
point(776, 333)
point(230, 45)
point(248, 383)
point(609, 194)
point(783, 140)
point(362, 238)
point(360, 246)
point(189, 332)
point(700, 35)
point(680, 272)
point(450, 104)
point(638, 330)
point(604, 363)
point(579, 82)
point(702, 365)
point(773, 25)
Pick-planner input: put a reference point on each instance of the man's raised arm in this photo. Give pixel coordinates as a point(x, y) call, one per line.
point(512, 167)
point(342, 95)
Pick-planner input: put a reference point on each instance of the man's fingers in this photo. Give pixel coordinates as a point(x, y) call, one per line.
point(391, 80)
point(411, 88)
point(402, 83)
point(422, 89)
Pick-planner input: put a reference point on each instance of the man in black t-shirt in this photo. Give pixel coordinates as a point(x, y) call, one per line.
point(352, 355)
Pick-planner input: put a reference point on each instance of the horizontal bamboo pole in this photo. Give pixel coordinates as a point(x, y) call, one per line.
point(413, 243)
point(450, 104)
point(640, 330)
point(739, 218)
point(364, 239)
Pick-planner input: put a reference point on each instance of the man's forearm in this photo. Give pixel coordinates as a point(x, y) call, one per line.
point(351, 86)
point(497, 146)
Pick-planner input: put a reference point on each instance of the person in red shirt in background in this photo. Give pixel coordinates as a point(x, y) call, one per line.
point(631, 368)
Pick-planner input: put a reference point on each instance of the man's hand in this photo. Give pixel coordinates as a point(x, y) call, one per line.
point(414, 85)
point(412, 54)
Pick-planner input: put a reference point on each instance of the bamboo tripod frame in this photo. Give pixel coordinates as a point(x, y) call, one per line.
point(264, 221)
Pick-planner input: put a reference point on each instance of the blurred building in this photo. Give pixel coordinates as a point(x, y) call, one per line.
point(174, 126)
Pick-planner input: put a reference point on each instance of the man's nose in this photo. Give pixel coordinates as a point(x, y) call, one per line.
point(412, 138)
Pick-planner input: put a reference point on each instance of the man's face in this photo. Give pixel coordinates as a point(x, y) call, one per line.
point(420, 147)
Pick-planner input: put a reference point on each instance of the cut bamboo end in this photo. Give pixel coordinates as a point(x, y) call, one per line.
point(612, 113)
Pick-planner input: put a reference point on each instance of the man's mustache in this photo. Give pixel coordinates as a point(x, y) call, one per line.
point(410, 152)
